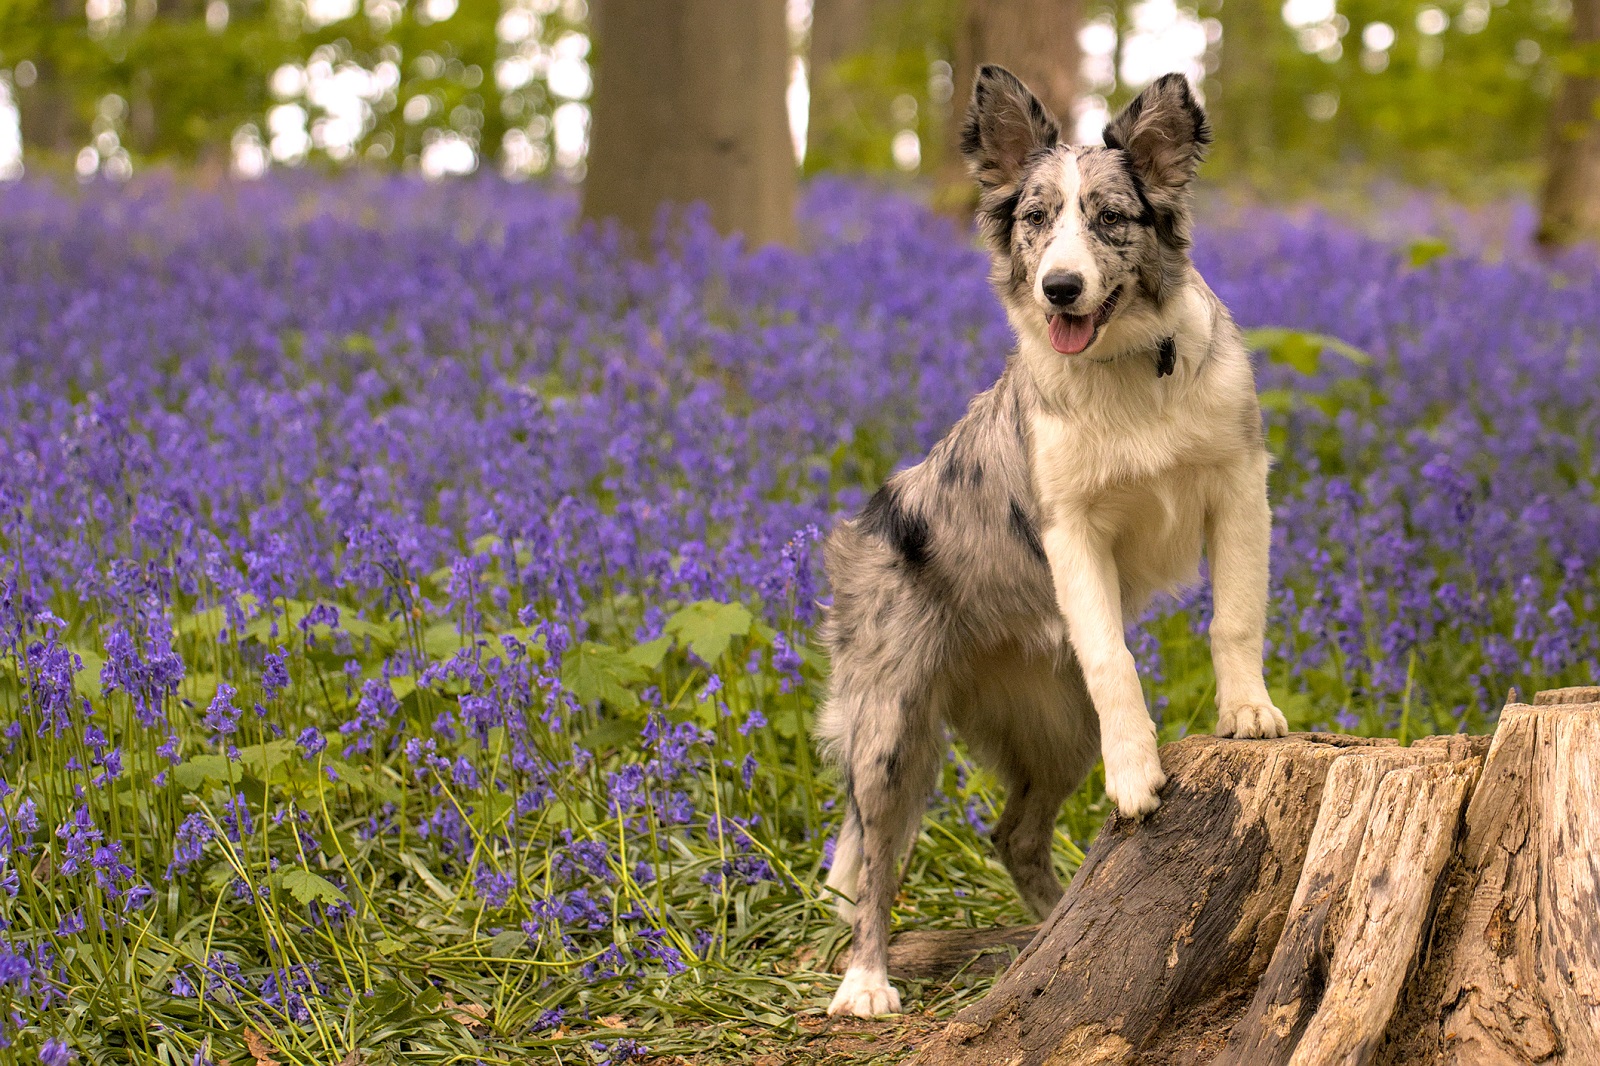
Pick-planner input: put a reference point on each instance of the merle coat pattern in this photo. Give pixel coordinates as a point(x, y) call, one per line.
point(986, 589)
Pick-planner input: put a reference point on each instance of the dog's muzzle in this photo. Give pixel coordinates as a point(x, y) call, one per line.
point(1072, 334)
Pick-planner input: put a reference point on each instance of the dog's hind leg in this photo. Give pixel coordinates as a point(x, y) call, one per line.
point(1024, 836)
point(1034, 726)
point(892, 754)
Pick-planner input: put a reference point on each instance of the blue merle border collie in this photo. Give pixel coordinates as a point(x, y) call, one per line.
point(986, 589)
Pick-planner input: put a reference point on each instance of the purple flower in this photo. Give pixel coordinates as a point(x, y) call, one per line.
point(222, 717)
point(54, 1052)
point(311, 741)
point(494, 888)
point(275, 673)
point(189, 844)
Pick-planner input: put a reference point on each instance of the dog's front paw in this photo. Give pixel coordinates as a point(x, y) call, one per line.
point(865, 995)
point(1258, 719)
point(1133, 779)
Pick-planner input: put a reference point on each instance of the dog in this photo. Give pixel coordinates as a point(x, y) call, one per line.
point(986, 589)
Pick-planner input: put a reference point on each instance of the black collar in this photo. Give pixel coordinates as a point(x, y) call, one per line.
point(1166, 357)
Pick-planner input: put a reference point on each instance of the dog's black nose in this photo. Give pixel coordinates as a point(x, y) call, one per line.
point(1061, 288)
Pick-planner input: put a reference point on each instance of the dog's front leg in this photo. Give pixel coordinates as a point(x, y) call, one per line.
point(1085, 577)
point(1239, 537)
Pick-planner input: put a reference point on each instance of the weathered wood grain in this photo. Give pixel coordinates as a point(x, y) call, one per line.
point(1292, 989)
point(1511, 974)
point(1381, 920)
point(1163, 933)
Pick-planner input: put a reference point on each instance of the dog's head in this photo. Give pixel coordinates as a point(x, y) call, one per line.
point(1080, 235)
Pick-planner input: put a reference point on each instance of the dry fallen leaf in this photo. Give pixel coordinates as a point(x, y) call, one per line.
point(259, 1049)
point(468, 1014)
point(613, 1021)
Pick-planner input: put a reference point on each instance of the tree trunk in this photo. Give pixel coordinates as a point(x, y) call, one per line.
point(1037, 40)
point(1329, 899)
point(1241, 96)
point(149, 116)
point(1571, 207)
point(53, 129)
point(689, 105)
point(839, 29)
point(478, 46)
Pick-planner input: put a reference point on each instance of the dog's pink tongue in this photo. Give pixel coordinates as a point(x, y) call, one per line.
point(1071, 334)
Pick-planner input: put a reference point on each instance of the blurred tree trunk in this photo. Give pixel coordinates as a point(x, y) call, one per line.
point(1241, 96)
point(839, 28)
point(479, 47)
point(1571, 207)
point(1037, 40)
point(145, 133)
point(689, 105)
point(53, 129)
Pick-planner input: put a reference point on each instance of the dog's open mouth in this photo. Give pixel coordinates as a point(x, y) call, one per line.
point(1071, 334)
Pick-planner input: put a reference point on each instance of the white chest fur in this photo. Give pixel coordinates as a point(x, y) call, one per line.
point(1137, 491)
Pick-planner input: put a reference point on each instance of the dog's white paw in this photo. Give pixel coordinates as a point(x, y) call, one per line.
point(865, 994)
point(1133, 779)
point(1245, 720)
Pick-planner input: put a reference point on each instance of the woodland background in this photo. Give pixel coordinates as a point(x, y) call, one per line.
point(1479, 97)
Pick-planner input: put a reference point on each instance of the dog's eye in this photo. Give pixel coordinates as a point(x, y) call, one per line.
point(1035, 217)
point(1109, 217)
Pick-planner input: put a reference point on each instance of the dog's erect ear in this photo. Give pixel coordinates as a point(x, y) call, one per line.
point(1165, 133)
point(1005, 125)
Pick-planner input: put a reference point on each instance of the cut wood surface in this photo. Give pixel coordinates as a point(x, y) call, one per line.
point(1328, 899)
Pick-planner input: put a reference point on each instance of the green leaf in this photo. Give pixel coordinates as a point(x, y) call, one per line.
point(359, 343)
point(88, 677)
point(1426, 250)
point(306, 886)
point(708, 627)
point(649, 655)
point(507, 943)
point(598, 672)
point(194, 773)
point(441, 641)
point(207, 623)
point(1278, 401)
point(263, 759)
point(1300, 349)
point(610, 734)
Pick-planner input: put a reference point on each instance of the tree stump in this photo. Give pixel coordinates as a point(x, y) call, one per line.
point(1328, 899)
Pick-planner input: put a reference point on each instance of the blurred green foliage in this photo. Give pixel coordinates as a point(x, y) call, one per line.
point(181, 79)
point(1293, 107)
point(900, 79)
point(1465, 108)
point(1458, 97)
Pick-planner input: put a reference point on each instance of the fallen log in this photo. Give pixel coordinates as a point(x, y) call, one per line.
point(1328, 899)
point(943, 954)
